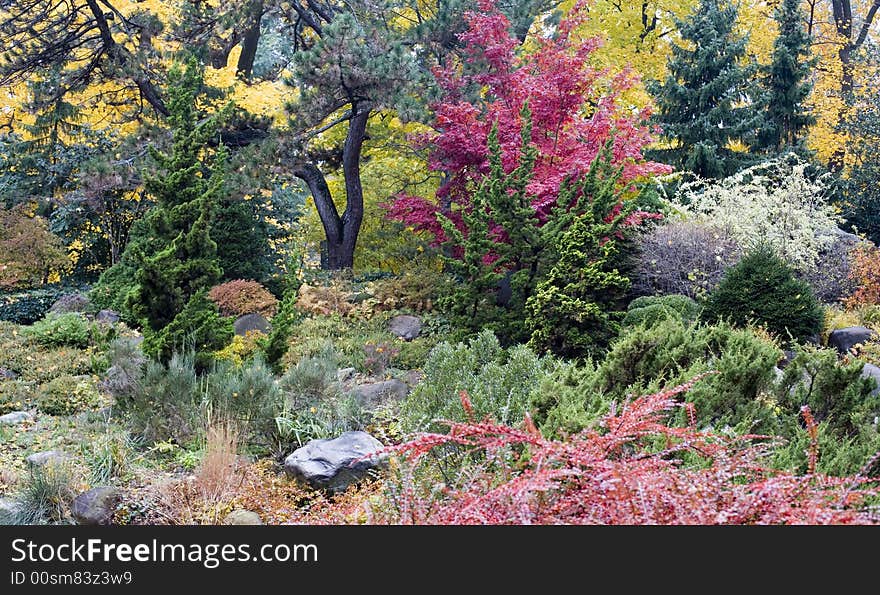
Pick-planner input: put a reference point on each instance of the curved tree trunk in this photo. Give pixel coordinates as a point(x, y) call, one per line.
point(251, 40)
point(341, 232)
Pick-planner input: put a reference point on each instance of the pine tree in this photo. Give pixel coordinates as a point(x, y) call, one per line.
point(787, 83)
point(707, 99)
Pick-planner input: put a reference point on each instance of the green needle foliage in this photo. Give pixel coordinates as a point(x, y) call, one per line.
point(762, 289)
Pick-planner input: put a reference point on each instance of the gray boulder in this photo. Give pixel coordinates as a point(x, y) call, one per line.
point(47, 457)
point(242, 517)
point(251, 323)
point(406, 327)
point(71, 302)
point(107, 317)
point(335, 464)
point(872, 371)
point(16, 417)
point(96, 506)
point(345, 374)
point(371, 395)
point(7, 374)
point(845, 338)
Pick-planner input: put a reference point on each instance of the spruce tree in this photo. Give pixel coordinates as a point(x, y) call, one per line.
point(706, 100)
point(786, 82)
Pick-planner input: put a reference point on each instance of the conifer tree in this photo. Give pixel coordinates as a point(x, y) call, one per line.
point(707, 100)
point(787, 83)
point(496, 248)
point(577, 305)
point(179, 262)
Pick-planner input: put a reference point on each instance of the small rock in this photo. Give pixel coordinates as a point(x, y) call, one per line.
point(345, 374)
point(251, 323)
point(406, 327)
point(71, 302)
point(7, 374)
point(96, 506)
point(107, 317)
point(242, 517)
point(370, 395)
point(335, 464)
point(844, 339)
point(872, 371)
point(16, 417)
point(47, 457)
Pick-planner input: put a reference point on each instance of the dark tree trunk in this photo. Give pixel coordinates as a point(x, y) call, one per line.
point(843, 23)
point(341, 232)
point(251, 40)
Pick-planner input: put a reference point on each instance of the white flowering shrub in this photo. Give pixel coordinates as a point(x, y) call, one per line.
point(777, 203)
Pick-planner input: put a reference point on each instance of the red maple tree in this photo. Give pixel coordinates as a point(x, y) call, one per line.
point(575, 110)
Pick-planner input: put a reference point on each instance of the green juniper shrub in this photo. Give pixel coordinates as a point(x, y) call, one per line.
point(556, 280)
point(566, 401)
point(198, 327)
point(762, 289)
point(498, 382)
point(66, 395)
point(649, 310)
point(838, 455)
point(70, 329)
point(835, 391)
point(578, 301)
point(494, 279)
point(275, 345)
point(647, 359)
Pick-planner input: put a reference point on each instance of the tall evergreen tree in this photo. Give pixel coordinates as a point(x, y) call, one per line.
point(707, 99)
point(787, 84)
point(180, 263)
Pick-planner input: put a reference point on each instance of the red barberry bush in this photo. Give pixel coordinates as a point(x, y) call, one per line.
point(240, 297)
point(633, 468)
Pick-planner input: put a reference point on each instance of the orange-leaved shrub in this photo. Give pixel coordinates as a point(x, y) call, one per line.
point(240, 297)
point(633, 468)
point(865, 271)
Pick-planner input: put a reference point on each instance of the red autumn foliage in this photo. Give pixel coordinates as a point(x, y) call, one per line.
point(241, 296)
point(629, 470)
point(575, 107)
point(865, 271)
